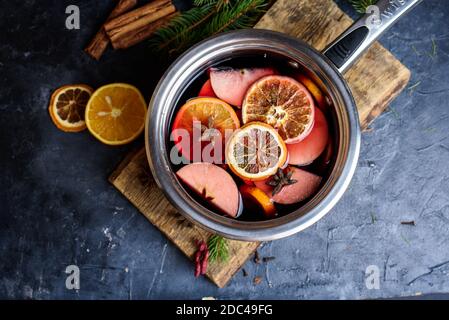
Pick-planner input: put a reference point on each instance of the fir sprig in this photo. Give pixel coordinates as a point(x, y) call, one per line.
point(361, 5)
point(182, 29)
point(239, 15)
point(218, 248)
point(208, 17)
point(200, 3)
point(217, 3)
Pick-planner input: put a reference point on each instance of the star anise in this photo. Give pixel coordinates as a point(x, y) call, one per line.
point(206, 196)
point(280, 180)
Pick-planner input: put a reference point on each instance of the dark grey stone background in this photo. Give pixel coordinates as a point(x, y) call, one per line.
point(57, 207)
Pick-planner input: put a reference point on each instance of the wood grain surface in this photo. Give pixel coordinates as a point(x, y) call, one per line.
point(375, 81)
point(133, 179)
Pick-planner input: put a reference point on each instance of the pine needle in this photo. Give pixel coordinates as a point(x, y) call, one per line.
point(416, 50)
point(208, 18)
point(413, 87)
point(217, 3)
point(241, 15)
point(361, 5)
point(218, 248)
point(199, 3)
point(182, 29)
point(434, 48)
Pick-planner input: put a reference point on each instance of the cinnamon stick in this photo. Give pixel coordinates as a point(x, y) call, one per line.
point(134, 37)
point(100, 41)
point(138, 18)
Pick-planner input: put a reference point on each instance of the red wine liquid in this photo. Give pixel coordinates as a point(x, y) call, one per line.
point(322, 166)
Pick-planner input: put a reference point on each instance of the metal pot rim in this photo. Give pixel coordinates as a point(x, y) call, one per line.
point(231, 42)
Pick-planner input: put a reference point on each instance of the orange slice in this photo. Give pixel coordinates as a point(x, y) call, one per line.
point(115, 114)
point(314, 90)
point(67, 106)
point(254, 198)
point(283, 103)
point(255, 152)
point(210, 113)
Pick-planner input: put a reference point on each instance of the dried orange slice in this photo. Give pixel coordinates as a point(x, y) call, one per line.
point(254, 198)
point(255, 152)
point(283, 103)
point(115, 114)
point(67, 106)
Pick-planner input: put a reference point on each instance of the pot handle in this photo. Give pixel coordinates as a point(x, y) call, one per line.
point(349, 46)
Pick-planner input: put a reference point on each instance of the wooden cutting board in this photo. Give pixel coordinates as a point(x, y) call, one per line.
point(375, 81)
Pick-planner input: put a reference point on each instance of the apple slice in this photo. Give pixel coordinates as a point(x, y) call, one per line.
point(213, 184)
point(309, 149)
point(307, 184)
point(230, 85)
point(206, 90)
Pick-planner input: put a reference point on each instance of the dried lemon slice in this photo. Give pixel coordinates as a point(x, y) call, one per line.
point(255, 152)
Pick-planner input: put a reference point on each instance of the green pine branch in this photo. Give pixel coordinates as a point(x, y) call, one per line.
point(182, 29)
point(217, 3)
point(218, 248)
point(240, 15)
point(361, 5)
point(199, 3)
point(207, 18)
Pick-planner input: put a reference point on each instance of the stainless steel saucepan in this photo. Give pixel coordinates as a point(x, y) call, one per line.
point(325, 67)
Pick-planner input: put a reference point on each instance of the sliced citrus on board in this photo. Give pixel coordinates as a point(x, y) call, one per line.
point(67, 107)
point(256, 199)
point(255, 152)
point(205, 120)
point(283, 103)
point(115, 114)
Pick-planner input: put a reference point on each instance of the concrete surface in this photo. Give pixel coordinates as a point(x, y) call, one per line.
point(58, 209)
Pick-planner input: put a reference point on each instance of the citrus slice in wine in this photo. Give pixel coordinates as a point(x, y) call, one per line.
point(314, 90)
point(211, 117)
point(283, 103)
point(256, 199)
point(206, 90)
point(255, 152)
